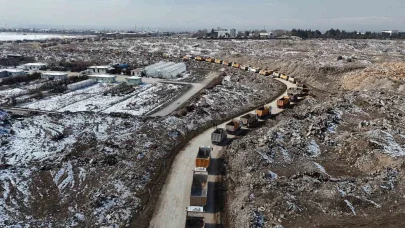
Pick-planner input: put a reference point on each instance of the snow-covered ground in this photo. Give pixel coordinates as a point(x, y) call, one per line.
point(59, 102)
point(146, 100)
point(4, 36)
point(139, 102)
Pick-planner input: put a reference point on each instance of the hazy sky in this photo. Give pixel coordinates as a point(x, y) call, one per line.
point(196, 14)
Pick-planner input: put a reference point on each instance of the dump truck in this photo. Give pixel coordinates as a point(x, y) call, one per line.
point(186, 58)
point(218, 61)
point(233, 126)
point(199, 189)
point(283, 102)
point(244, 67)
point(165, 55)
point(283, 76)
point(294, 91)
point(218, 136)
point(293, 97)
point(210, 60)
point(291, 79)
point(264, 72)
point(195, 217)
point(263, 111)
point(254, 70)
point(249, 119)
point(199, 58)
point(236, 65)
point(226, 63)
point(276, 75)
point(203, 157)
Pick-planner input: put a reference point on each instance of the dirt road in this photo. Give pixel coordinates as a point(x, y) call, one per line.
point(175, 197)
point(196, 87)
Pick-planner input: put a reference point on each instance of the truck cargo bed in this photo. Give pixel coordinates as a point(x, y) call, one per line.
point(198, 196)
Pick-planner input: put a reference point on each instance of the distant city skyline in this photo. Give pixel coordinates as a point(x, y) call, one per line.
point(182, 15)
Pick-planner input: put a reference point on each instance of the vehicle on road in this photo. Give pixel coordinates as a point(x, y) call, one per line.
point(203, 157)
point(249, 119)
point(283, 102)
point(218, 61)
point(199, 189)
point(218, 136)
point(195, 217)
point(263, 111)
point(283, 76)
point(233, 126)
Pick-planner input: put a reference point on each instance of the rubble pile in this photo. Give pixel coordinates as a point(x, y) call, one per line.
point(87, 170)
point(333, 161)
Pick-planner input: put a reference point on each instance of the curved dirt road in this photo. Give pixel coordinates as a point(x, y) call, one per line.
point(175, 197)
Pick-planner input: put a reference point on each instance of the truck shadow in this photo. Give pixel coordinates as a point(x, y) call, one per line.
point(217, 167)
point(215, 197)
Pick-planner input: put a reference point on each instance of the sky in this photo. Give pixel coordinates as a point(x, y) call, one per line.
point(359, 15)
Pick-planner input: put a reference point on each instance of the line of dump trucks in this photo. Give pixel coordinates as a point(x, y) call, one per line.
point(199, 188)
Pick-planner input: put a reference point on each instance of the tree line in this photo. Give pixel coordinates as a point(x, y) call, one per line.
point(342, 34)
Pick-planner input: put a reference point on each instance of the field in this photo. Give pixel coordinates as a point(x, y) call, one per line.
point(139, 102)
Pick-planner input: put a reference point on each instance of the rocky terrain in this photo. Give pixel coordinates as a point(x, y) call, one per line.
point(334, 160)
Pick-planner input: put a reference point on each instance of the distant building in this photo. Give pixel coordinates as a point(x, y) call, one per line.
point(12, 73)
point(390, 32)
point(165, 69)
point(100, 69)
point(266, 35)
point(232, 32)
point(104, 78)
point(35, 66)
point(54, 75)
point(134, 80)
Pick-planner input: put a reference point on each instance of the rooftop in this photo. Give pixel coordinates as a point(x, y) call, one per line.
point(102, 76)
point(35, 64)
point(133, 77)
point(100, 67)
point(12, 70)
point(54, 73)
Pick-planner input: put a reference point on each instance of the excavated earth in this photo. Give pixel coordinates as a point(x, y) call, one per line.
point(337, 158)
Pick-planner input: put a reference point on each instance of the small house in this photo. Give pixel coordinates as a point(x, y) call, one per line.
point(35, 66)
point(100, 69)
point(134, 80)
point(12, 73)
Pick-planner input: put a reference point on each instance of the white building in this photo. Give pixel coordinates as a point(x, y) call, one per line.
point(104, 78)
point(232, 32)
point(34, 66)
point(12, 72)
point(134, 80)
point(172, 71)
point(100, 69)
point(266, 35)
point(54, 75)
point(154, 70)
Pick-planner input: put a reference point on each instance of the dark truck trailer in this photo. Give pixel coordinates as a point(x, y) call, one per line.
point(195, 217)
point(199, 189)
point(218, 136)
point(233, 126)
point(249, 119)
